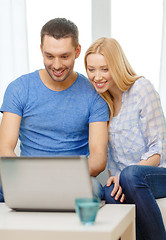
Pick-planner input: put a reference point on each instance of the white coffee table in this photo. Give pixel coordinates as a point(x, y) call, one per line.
point(112, 222)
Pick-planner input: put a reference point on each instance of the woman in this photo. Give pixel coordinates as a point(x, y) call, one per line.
point(137, 136)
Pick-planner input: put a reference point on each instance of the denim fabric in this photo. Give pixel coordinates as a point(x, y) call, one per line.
point(141, 186)
point(107, 195)
point(1, 194)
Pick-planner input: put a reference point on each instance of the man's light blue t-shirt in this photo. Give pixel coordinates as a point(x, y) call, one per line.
point(54, 123)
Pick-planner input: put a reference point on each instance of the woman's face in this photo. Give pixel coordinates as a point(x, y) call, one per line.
point(98, 73)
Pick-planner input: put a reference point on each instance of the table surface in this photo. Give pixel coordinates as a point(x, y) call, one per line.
point(110, 218)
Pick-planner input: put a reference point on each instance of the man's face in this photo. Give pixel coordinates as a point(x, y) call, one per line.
point(59, 56)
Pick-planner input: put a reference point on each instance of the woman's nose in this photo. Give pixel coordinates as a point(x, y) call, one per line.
point(98, 76)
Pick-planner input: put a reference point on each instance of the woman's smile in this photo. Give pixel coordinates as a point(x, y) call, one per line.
point(100, 84)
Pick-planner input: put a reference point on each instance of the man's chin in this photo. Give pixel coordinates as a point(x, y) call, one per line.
point(65, 74)
point(57, 78)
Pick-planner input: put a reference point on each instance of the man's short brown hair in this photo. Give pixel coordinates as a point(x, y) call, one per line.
point(60, 28)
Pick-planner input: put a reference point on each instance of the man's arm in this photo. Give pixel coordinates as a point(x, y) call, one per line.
point(9, 132)
point(98, 139)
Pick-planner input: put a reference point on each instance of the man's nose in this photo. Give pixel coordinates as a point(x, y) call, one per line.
point(57, 63)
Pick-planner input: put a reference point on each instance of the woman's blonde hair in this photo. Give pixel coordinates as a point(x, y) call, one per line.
point(121, 71)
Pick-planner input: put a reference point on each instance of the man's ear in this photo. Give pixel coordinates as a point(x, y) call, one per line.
point(41, 49)
point(78, 51)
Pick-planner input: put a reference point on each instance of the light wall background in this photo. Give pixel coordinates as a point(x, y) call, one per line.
point(139, 26)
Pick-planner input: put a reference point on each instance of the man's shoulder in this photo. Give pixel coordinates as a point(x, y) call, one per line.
point(83, 78)
point(25, 77)
point(90, 94)
point(85, 83)
point(23, 81)
point(28, 76)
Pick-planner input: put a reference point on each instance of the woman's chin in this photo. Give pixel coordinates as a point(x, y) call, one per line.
point(100, 90)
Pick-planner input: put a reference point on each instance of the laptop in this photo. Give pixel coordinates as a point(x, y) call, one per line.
point(44, 183)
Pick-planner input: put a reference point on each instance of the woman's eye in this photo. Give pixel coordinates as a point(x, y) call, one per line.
point(105, 69)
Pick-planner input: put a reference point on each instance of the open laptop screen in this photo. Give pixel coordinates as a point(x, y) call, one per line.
point(44, 183)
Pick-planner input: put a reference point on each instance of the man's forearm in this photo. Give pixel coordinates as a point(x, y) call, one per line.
point(6, 151)
point(97, 164)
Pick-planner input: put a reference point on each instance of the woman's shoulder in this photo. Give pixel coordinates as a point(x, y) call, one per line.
point(142, 91)
point(142, 82)
point(142, 86)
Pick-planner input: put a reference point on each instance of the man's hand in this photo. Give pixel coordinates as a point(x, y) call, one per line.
point(117, 188)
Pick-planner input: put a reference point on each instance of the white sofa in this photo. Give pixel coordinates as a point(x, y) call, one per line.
point(102, 177)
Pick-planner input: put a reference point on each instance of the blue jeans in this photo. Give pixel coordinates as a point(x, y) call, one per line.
point(1, 194)
point(141, 186)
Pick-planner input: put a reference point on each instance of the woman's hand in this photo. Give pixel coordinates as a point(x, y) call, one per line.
point(117, 190)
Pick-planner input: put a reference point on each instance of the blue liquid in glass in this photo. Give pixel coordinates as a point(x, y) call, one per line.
point(87, 212)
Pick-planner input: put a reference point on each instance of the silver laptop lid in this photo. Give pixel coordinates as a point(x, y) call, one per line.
point(44, 183)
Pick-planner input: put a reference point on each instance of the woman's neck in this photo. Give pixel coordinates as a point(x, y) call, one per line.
point(117, 100)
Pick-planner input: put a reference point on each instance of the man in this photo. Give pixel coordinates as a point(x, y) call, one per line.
point(55, 111)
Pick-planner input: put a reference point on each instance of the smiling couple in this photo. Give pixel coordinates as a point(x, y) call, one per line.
point(57, 111)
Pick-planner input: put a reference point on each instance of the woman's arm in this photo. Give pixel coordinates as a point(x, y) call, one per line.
point(152, 123)
point(154, 160)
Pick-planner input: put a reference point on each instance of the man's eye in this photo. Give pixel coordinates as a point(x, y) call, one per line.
point(65, 56)
point(90, 69)
point(49, 56)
